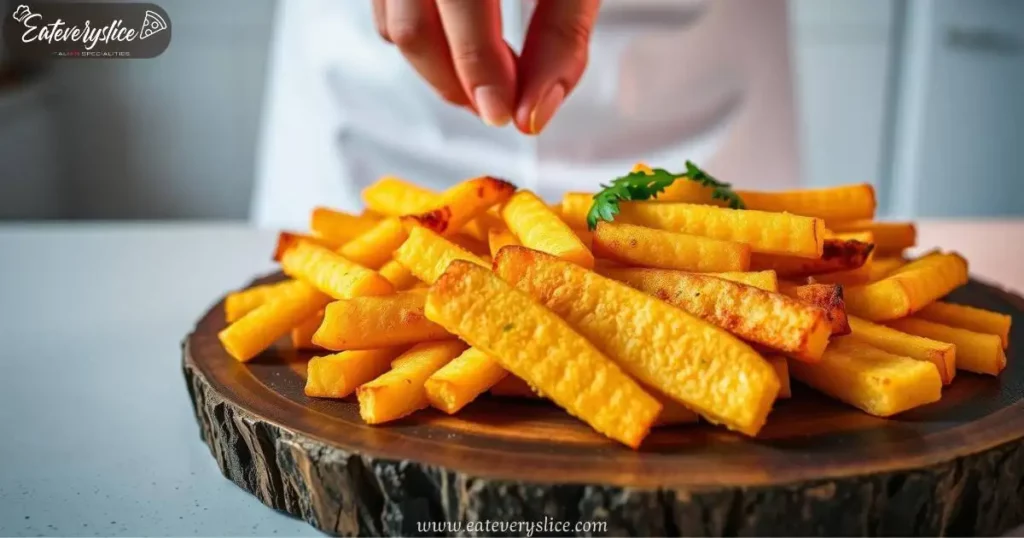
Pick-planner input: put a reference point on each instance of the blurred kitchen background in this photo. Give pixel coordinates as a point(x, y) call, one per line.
point(923, 98)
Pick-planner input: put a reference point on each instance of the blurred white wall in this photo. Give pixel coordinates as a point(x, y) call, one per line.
point(171, 137)
point(841, 61)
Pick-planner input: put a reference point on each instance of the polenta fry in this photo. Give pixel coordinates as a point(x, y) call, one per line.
point(910, 289)
point(648, 247)
point(302, 334)
point(773, 320)
point(398, 275)
point(837, 255)
point(375, 322)
point(880, 268)
point(975, 352)
point(877, 382)
point(664, 347)
point(828, 297)
point(941, 354)
point(394, 197)
point(769, 233)
point(240, 303)
point(339, 226)
point(462, 203)
point(373, 248)
point(462, 380)
point(500, 237)
point(509, 326)
point(331, 273)
point(260, 328)
point(968, 317)
point(891, 238)
point(399, 392)
point(338, 375)
point(538, 227)
point(427, 255)
point(846, 202)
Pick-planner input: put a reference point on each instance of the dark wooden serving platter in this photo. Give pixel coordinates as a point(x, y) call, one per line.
point(955, 467)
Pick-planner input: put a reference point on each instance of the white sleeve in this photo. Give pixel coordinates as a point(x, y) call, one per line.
point(297, 162)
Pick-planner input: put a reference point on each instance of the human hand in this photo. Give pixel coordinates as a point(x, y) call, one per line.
point(457, 47)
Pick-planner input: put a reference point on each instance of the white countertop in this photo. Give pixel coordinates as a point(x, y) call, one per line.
point(98, 435)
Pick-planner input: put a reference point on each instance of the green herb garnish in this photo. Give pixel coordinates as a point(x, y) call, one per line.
point(643, 186)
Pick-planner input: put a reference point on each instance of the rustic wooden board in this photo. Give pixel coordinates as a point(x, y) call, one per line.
point(818, 468)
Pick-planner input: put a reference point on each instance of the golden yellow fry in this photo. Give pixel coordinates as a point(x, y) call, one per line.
point(849, 277)
point(968, 317)
point(975, 352)
point(779, 322)
point(479, 248)
point(394, 197)
point(534, 344)
point(373, 248)
point(512, 386)
point(399, 392)
point(374, 322)
point(845, 202)
point(838, 254)
point(647, 247)
point(913, 287)
point(828, 297)
point(339, 226)
point(883, 267)
point(338, 375)
point(240, 303)
point(479, 227)
point(455, 207)
point(664, 347)
point(941, 354)
point(875, 381)
point(500, 237)
point(890, 237)
point(673, 280)
point(586, 237)
point(842, 202)
point(427, 255)
point(260, 328)
point(574, 209)
point(462, 380)
point(770, 233)
point(672, 412)
point(398, 275)
point(331, 273)
point(538, 227)
point(302, 334)
point(781, 366)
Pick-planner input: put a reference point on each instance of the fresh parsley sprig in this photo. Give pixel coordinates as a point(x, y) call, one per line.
point(641, 185)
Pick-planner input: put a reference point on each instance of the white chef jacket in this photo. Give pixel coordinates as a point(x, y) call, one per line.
point(668, 80)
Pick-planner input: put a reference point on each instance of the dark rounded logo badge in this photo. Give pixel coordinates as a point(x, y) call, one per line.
point(87, 30)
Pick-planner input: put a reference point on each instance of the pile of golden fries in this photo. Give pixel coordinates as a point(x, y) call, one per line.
point(678, 309)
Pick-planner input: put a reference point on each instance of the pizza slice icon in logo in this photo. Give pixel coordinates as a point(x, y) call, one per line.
point(152, 24)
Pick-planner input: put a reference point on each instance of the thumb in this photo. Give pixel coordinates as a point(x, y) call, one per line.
point(553, 59)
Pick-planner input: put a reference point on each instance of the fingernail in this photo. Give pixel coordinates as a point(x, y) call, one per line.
point(490, 101)
point(546, 108)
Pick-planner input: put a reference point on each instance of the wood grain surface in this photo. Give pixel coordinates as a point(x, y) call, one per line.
point(955, 467)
